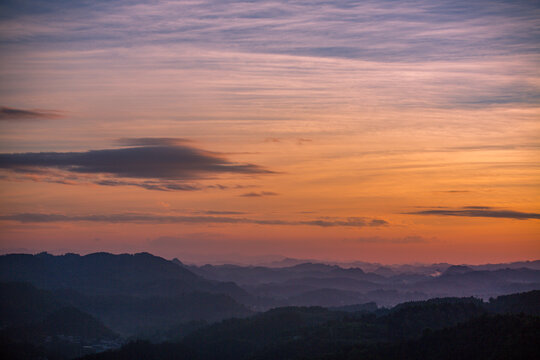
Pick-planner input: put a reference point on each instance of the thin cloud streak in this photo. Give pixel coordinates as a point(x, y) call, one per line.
point(222, 212)
point(259, 194)
point(69, 178)
point(478, 211)
point(151, 141)
point(380, 240)
point(150, 185)
point(7, 113)
point(170, 219)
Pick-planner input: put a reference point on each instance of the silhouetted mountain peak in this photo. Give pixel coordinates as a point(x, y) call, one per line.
point(102, 273)
point(457, 270)
point(146, 254)
point(309, 266)
point(73, 255)
point(177, 262)
point(353, 270)
point(42, 254)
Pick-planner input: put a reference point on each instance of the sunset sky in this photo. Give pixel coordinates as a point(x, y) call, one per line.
point(384, 131)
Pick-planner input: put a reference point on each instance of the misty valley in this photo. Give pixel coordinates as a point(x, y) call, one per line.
point(105, 306)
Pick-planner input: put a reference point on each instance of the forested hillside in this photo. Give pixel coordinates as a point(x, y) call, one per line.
point(436, 329)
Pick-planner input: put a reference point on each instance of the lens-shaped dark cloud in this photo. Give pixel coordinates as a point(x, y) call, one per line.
point(173, 219)
point(479, 211)
point(158, 159)
point(8, 113)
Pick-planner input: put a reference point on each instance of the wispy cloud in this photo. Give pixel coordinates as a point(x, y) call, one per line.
point(150, 185)
point(301, 141)
point(380, 240)
point(152, 141)
point(259, 194)
point(382, 30)
point(353, 222)
point(479, 211)
point(222, 212)
point(171, 219)
point(455, 191)
point(68, 178)
point(8, 113)
point(473, 48)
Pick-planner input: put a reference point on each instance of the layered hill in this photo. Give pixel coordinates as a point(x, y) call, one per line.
point(333, 285)
point(140, 274)
point(129, 293)
point(448, 328)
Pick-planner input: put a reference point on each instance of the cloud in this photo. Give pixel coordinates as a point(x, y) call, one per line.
point(353, 221)
point(259, 194)
point(226, 187)
point(455, 191)
point(157, 163)
point(151, 141)
point(7, 113)
point(380, 30)
point(529, 146)
point(150, 185)
point(301, 141)
point(218, 212)
point(479, 211)
point(473, 48)
point(379, 240)
point(165, 162)
point(173, 219)
point(68, 178)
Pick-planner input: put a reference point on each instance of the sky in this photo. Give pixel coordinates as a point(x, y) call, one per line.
point(215, 130)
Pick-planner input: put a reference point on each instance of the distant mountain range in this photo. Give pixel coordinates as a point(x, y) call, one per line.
point(385, 269)
point(332, 285)
point(74, 305)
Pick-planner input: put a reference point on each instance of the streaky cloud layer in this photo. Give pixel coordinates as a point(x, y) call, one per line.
point(344, 29)
point(171, 219)
point(479, 211)
point(151, 141)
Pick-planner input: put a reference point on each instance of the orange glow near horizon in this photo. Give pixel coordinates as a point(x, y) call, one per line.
point(384, 155)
